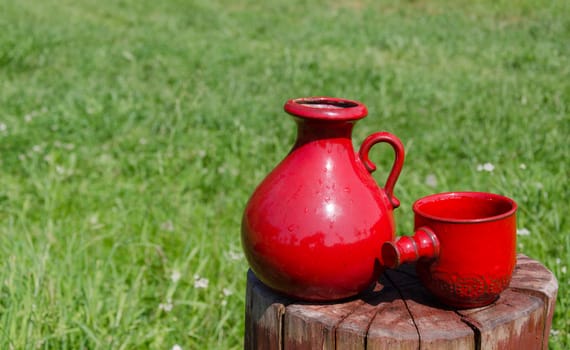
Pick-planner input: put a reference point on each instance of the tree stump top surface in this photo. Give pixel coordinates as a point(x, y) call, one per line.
point(399, 313)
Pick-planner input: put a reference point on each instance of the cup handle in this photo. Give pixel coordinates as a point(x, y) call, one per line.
point(423, 244)
point(393, 141)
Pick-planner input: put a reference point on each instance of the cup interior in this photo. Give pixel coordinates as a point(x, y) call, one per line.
point(465, 207)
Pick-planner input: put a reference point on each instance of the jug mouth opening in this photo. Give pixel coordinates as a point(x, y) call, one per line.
point(326, 108)
point(465, 207)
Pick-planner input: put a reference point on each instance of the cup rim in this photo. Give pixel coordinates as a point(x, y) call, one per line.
point(470, 194)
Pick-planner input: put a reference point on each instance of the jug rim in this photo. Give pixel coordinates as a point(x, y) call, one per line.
point(326, 108)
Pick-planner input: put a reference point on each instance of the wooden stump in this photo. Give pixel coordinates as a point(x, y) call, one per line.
point(400, 314)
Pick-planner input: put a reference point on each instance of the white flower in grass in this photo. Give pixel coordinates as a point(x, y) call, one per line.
point(523, 232)
point(554, 332)
point(558, 261)
point(488, 167)
point(233, 255)
point(176, 347)
point(431, 180)
point(563, 269)
point(94, 219)
point(226, 292)
point(167, 226)
point(128, 55)
point(522, 166)
point(3, 127)
point(166, 307)
point(200, 282)
point(175, 276)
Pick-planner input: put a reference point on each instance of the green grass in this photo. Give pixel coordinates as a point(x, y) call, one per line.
point(132, 133)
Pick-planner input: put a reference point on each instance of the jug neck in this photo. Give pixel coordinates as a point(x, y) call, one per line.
point(317, 130)
point(321, 118)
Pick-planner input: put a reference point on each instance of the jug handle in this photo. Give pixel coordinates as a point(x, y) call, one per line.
point(393, 141)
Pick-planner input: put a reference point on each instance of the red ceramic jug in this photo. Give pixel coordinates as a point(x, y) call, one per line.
point(314, 227)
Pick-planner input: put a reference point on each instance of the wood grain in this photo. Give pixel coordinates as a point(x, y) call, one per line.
point(398, 313)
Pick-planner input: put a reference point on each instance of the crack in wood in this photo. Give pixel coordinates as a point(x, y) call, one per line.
point(474, 327)
point(389, 278)
point(342, 318)
point(373, 318)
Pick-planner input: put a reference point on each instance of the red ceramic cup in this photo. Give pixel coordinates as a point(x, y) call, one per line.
point(464, 245)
